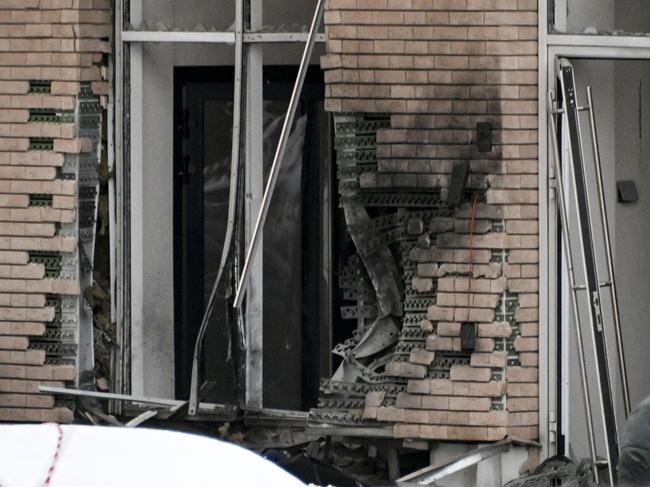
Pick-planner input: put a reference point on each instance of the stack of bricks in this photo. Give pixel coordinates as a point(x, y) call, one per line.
point(439, 67)
point(48, 50)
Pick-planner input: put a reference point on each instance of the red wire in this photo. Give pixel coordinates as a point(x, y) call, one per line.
point(55, 458)
point(471, 243)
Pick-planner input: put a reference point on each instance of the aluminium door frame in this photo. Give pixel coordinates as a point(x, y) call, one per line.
point(551, 48)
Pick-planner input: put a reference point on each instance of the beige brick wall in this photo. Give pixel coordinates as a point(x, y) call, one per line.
point(439, 67)
point(61, 43)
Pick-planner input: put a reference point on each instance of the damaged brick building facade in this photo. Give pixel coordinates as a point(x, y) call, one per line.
point(437, 69)
point(54, 84)
point(415, 277)
point(416, 77)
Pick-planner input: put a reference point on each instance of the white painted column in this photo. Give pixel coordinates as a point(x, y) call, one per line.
point(254, 191)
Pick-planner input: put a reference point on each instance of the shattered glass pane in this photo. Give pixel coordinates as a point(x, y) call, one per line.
point(217, 120)
point(187, 15)
point(292, 243)
point(283, 264)
point(210, 16)
point(599, 17)
point(288, 15)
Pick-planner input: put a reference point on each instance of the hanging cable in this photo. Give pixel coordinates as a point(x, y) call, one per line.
point(472, 224)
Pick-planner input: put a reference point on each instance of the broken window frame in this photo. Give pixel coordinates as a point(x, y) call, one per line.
point(125, 42)
point(552, 47)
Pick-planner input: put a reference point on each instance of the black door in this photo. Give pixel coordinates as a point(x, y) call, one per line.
point(296, 348)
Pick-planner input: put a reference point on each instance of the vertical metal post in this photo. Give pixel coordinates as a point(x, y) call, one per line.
point(115, 198)
point(279, 153)
point(564, 219)
point(232, 203)
point(133, 210)
point(135, 224)
point(608, 253)
point(253, 199)
point(115, 78)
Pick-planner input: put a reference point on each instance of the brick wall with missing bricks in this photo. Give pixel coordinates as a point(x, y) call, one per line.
point(52, 73)
point(439, 67)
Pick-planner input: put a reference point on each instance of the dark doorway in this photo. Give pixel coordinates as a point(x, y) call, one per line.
point(296, 282)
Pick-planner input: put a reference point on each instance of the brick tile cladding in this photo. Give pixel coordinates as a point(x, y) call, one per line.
point(49, 50)
point(439, 67)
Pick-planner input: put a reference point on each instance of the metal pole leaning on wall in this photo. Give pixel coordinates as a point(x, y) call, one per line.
point(608, 253)
point(279, 153)
point(564, 219)
point(232, 202)
point(584, 226)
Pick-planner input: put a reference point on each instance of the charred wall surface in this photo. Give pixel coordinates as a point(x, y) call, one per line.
point(435, 112)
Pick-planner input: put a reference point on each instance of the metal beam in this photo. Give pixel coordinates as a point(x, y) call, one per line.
point(232, 203)
point(138, 420)
point(429, 475)
point(564, 219)
point(608, 256)
point(585, 232)
point(350, 431)
point(62, 391)
point(155, 401)
point(176, 36)
point(279, 153)
point(280, 37)
point(216, 37)
point(599, 41)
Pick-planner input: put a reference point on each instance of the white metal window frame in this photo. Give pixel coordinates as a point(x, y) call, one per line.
point(551, 48)
point(119, 201)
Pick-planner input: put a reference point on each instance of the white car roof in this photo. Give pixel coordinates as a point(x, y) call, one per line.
point(92, 456)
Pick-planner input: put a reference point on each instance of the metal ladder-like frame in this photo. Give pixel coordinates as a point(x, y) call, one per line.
point(592, 282)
